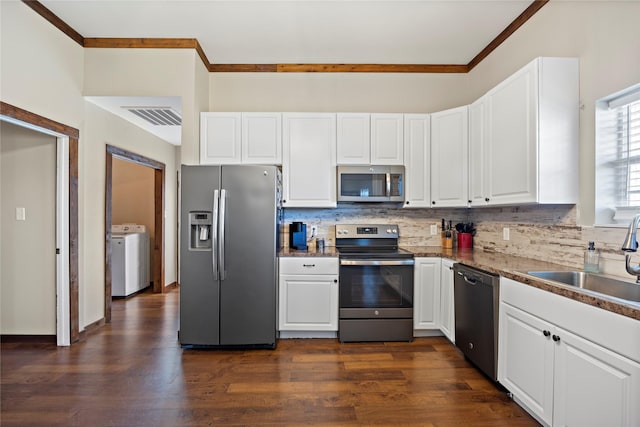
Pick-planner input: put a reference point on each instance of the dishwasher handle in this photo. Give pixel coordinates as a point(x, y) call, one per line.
point(466, 278)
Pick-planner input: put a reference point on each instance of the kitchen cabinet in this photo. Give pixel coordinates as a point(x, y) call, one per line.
point(353, 138)
point(308, 297)
point(370, 139)
point(531, 140)
point(566, 362)
point(426, 293)
point(262, 138)
point(478, 195)
point(309, 160)
point(220, 141)
point(449, 158)
point(417, 151)
point(387, 143)
point(234, 138)
point(447, 303)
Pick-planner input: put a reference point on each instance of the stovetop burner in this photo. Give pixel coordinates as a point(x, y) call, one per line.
point(369, 241)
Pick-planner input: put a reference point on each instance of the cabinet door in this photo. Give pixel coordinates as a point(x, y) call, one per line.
point(593, 386)
point(308, 303)
point(477, 139)
point(512, 113)
point(426, 293)
point(447, 306)
point(525, 360)
point(354, 142)
point(387, 143)
point(417, 148)
point(449, 158)
point(262, 138)
point(220, 138)
point(309, 160)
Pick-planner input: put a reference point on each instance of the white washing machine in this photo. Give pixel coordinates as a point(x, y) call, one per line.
point(129, 259)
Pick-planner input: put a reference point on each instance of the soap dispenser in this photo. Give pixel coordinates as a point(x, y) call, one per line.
point(591, 259)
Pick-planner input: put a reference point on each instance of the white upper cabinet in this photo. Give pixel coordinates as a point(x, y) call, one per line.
point(309, 160)
point(531, 144)
point(387, 143)
point(220, 138)
point(478, 196)
point(262, 138)
point(353, 139)
point(417, 149)
point(449, 158)
point(233, 138)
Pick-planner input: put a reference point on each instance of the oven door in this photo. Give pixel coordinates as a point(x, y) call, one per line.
point(372, 288)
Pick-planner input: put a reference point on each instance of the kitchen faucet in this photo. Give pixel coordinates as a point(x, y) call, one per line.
point(630, 244)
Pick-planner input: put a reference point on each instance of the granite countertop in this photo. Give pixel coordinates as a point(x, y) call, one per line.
point(512, 267)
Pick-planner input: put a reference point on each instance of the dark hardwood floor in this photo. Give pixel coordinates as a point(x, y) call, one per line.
point(132, 372)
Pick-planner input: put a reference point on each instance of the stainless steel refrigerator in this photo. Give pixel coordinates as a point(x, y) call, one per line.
point(229, 238)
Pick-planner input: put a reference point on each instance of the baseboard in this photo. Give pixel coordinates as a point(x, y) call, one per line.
point(91, 327)
point(29, 339)
point(171, 286)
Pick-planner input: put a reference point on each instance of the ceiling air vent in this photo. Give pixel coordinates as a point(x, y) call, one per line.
point(157, 116)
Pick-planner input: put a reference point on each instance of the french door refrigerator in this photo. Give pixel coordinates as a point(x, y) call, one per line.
point(229, 238)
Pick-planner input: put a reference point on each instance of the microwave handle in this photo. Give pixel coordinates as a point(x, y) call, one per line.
point(388, 185)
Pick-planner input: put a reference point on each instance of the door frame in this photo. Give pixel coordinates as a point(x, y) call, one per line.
point(157, 274)
point(67, 281)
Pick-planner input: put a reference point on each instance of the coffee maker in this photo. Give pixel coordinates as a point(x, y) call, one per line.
point(298, 236)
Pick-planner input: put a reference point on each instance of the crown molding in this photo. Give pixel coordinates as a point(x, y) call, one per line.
point(184, 43)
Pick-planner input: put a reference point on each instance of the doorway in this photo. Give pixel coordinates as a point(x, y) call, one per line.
point(157, 234)
point(66, 240)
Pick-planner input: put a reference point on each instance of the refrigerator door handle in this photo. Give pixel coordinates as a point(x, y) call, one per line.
point(223, 211)
point(214, 235)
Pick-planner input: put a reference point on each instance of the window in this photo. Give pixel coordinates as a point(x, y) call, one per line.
point(618, 157)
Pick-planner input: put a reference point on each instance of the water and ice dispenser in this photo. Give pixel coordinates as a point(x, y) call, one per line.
point(200, 224)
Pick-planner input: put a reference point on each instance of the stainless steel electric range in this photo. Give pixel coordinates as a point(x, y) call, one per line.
point(376, 284)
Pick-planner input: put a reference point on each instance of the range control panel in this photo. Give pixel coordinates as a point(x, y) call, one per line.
point(382, 231)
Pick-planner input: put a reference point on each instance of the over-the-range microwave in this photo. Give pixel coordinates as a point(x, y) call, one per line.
point(371, 183)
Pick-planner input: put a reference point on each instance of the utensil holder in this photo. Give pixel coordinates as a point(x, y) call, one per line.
point(465, 240)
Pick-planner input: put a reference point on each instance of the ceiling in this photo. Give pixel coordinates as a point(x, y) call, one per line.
point(431, 32)
point(304, 31)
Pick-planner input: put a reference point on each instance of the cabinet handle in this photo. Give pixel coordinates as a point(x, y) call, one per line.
point(546, 333)
point(556, 338)
point(486, 199)
point(433, 202)
point(407, 202)
point(335, 280)
point(308, 265)
point(469, 201)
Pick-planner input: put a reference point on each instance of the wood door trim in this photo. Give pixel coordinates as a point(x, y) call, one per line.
point(192, 43)
point(74, 139)
point(159, 205)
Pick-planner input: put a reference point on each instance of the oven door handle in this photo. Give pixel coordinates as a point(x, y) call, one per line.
point(367, 262)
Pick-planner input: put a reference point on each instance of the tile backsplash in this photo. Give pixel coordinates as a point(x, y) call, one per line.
point(546, 232)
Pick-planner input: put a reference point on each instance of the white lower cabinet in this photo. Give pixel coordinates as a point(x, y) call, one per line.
point(589, 376)
point(447, 303)
point(308, 299)
point(426, 293)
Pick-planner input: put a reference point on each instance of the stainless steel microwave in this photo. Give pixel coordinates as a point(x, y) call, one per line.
point(371, 183)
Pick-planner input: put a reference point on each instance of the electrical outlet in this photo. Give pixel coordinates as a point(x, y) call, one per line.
point(314, 230)
point(505, 233)
point(434, 229)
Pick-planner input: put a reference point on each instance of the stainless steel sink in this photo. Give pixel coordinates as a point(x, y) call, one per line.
point(593, 282)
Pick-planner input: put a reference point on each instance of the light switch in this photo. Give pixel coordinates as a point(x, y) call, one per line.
point(21, 214)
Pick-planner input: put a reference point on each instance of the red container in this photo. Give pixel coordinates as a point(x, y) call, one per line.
point(465, 240)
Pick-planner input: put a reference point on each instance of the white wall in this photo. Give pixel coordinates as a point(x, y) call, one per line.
point(41, 68)
point(605, 35)
point(339, 92)
point(103, 128)
point(28, 260)
point(151, 72)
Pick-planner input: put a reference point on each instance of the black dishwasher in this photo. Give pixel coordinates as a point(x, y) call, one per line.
point(476, 296)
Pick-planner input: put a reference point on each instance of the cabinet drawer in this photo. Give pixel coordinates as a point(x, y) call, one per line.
point(309, 265)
